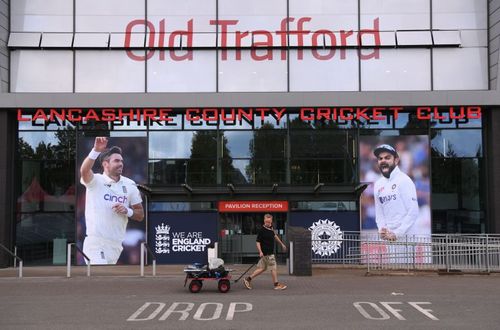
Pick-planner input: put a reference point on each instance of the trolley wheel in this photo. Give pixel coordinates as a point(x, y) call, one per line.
point(195, 286)
point(224, 286)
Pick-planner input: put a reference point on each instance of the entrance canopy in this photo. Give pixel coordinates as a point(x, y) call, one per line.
point(319, 191)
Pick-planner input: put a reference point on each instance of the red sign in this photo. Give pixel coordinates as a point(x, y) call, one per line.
point(253, 206)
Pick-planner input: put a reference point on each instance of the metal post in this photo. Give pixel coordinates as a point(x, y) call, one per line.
point(68, 260)
point(15, 255)
point(142, 259)
point(447, 254)
point(487, 254)
point(20, 268)
point(154, 267)
point(406, 255)
point(290, 270)
point(88, 269)
point(216, 248)
point(368, 254)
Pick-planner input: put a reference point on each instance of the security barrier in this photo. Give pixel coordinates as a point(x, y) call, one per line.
point(447, 252)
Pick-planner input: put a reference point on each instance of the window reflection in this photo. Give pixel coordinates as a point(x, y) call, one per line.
point(253, 171)
point(456, 184)
point(456, 143)
point(183, 144)
point(37, 233)
point(178, 171)
point(322, 170)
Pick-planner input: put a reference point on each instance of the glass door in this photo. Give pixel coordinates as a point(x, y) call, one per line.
point(238, 232)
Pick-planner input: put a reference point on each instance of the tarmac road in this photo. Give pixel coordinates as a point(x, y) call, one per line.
point(332, 299)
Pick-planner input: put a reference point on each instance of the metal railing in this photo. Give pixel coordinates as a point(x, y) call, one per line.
point(447, 252)
point(68, 259)
point(16, 258)
point(144, 248)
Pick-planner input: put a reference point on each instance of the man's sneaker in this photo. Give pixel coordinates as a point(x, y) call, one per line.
point(247, 283)
point(280, 286)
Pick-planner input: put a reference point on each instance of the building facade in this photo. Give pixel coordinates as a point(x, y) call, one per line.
point(232, 109)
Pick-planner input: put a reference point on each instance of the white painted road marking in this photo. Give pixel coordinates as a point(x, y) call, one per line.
point(372, 311)
point(183, 309)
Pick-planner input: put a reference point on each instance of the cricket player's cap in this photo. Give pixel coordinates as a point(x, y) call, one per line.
point(385, 148)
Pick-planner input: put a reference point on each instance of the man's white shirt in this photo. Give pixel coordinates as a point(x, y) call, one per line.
point(102, 193)
point(396, 204)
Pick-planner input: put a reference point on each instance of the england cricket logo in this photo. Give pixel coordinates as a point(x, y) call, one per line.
point(162, 239)
point(326, 237)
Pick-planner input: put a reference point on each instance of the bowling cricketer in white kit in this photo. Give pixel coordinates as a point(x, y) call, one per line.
point(111, 199)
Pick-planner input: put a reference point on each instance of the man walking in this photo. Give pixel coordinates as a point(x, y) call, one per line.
point(265, 246)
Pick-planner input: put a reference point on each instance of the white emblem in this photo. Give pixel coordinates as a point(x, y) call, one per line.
point(162, 239)
point(326, 237)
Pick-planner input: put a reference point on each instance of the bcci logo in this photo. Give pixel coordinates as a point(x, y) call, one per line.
point(326, 237)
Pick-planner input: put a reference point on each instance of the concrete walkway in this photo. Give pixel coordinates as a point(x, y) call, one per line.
point(161, 270)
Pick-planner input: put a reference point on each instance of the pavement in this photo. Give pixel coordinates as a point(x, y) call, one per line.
point(117, 297)
point(177, 270)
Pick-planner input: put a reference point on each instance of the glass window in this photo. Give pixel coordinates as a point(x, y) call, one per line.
point(310, 70)
point(41, 71)
point(395, 14)
point(181, 206)
point(253, 171)
point(338, 206)
point(37, 233)
point(253, 15)
point(268, 144)
point(195, 73)
point(322, 170)
point(177, 171)
point(41, 15)
point(184, 144)
point(237, 144)
point(108, 16)
point(459, 14)
point(401, 69)
point(248, 73)
point(271, 121)
point(409, 121)
point(254, 144)
point(320, 144)
point(108, 71)
point(456, 143)
point(47, 145)
point(334, 15)
point(175, 123)
point(460, 68)
point(47, 186)
point(180, 12)
point(456, 184)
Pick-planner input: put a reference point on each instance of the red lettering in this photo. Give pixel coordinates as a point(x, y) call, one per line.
point(423, 113)
point(474, 112)
point(20, 116)
point(223, 33)
point(268, 43)
point(376, 35)
point(303, 116)
point(331, 51)
point(128, 32)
